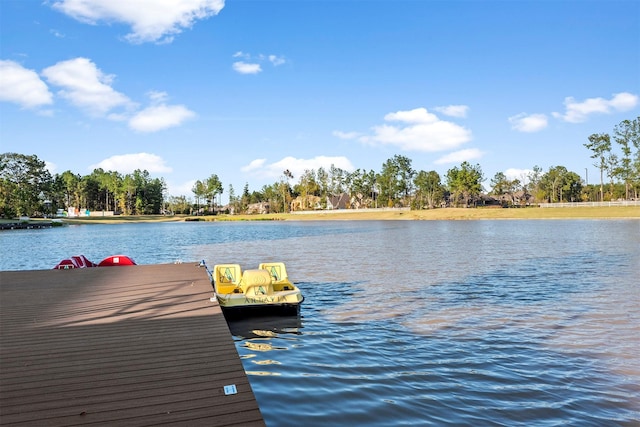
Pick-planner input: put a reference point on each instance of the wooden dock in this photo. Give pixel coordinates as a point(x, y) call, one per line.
point(125, 346)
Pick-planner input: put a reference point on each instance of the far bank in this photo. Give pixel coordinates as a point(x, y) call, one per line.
point(615, 212)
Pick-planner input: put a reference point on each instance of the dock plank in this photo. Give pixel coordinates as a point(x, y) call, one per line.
point(130, 346)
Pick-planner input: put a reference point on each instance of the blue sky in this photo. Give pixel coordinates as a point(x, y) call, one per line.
point(248, 88)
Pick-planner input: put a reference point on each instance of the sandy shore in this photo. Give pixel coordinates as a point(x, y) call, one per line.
point(425, 215)
point(481, 213)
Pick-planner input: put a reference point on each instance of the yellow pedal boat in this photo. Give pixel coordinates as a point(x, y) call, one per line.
point(266, 289)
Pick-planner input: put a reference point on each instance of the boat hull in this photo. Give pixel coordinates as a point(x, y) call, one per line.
point(245, 311)
point(280, 302)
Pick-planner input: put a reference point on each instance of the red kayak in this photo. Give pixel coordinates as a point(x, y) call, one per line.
point(116, 260)
point(80, 261)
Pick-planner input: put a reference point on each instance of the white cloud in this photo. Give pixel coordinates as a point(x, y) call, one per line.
point(577, 112)
point(159, 115)
point(460, 156)
point(57, 33)
point(521, 174)
point(246, 68)
point(417, 115)
point(276, 60)
point(157, 97)
point(528, 122)
point(127, 163)
point(150, 20)
point(346, 135)
point(183, 189)
point(254, 165)
point(22, 86)
point(252, 64)
point(85, 86)
point(453, 110)
point(296, 166)
point(423, 131)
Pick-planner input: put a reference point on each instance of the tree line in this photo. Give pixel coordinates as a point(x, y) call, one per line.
point(28, 188)
point(397, 184)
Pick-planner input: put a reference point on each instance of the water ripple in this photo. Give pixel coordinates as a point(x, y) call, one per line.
point(461, 323)
point(530, 339)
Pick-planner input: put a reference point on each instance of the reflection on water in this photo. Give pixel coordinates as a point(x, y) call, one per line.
point(262, 334)
point(418, 323)
point(265, 326)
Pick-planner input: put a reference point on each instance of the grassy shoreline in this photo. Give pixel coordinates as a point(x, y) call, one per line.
point(425, 215)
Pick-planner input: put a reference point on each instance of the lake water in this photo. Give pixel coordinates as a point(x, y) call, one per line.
point(430, 323)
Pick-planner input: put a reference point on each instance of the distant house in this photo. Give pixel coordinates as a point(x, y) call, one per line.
point(304, 203)
point(488, 200)
point(522, 198)
point(340, 201)
point(259, 208)
point(518, 198)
